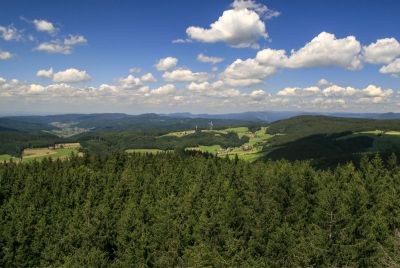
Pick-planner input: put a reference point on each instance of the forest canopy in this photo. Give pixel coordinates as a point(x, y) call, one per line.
point(190, 209)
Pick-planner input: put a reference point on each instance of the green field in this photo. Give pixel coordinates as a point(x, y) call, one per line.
point(32, 154)
point(380, 132)
point(41, 153)
point(7, 157)
point(254, 145)
point(395, 133)
point(213, 149)
point(241, 131)
point(178, 133)
point(250, 151)
point(371, 132)
point(147, 151)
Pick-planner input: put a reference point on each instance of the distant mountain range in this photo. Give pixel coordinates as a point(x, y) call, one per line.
point(121, 121)
point(271, 116)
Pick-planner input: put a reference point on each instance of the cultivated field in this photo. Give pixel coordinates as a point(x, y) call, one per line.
point(41, 153)
point(56, 152)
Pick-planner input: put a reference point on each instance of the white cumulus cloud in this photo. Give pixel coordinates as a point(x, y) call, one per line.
point(45, 73)
point(45, 26)
point(167, 63)
point(382, 51)
point(245, 73)
point(61, 47)
point(71, 75)
point(324, 50)
point(236, 27)
point(296, 91)
point(148, 78)
point(130, 82)
point(392, 68)
point(185, 75)
point(336, 90)
point(163, 90)
point(205, 86)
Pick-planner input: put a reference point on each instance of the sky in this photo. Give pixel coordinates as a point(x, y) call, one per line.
point(199, 56)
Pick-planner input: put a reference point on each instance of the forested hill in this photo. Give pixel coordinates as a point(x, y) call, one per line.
point(328, 141)
point(310, 125)
point(190, 210)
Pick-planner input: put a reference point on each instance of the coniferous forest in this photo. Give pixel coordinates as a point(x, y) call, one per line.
point(191, 209)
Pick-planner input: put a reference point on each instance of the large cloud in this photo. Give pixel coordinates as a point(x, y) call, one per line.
point(236, 27)
point(375, 91)
point(324, 50)
point(382, 51)
point(246, 73)
point(272, 57)
point(71, 75)
point(327, 50)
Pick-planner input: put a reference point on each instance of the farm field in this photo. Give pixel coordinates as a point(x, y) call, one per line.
point(213, 149)
point(147, 151)
point(41, 153)
point(178, 133)
point(241, 131)
point(31, 154)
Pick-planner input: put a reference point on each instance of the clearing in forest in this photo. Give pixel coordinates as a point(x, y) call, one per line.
point(250, 151)
point(54, 152)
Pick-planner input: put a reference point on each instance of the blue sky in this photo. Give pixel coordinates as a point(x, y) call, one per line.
point(345, 56)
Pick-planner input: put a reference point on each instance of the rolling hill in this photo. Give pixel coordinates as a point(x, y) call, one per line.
point(328, 141)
